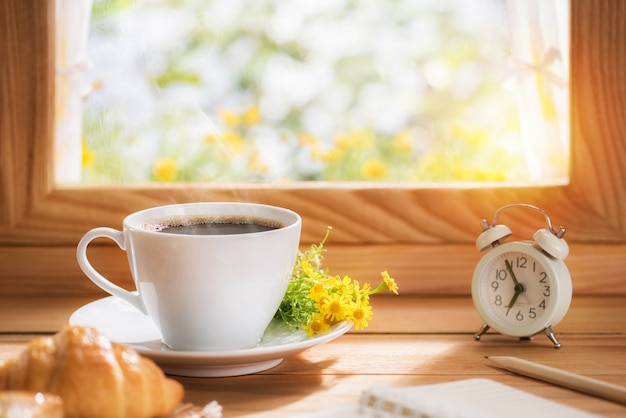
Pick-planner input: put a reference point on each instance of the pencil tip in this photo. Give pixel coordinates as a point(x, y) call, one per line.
point(487, 357)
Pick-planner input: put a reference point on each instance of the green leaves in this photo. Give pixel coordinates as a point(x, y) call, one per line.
point(296, 308)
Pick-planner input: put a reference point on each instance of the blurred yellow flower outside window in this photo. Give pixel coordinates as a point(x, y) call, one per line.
point(327, 90)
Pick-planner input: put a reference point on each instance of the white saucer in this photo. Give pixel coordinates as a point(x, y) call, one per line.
point(122, 323)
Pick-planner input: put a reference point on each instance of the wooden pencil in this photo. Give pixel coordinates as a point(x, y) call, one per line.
point(562, 378)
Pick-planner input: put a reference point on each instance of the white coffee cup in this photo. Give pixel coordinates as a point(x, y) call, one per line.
point(204, 292)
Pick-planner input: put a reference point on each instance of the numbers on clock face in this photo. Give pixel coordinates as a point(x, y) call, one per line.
point(516, 288)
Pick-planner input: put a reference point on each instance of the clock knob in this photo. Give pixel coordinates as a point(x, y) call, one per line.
point(491, 236)
point(550, 243)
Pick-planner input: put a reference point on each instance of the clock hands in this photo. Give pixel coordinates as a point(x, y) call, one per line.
point(518, 289)
point(512, 303)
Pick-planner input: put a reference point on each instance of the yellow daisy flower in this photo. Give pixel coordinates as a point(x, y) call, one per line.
point(362, 314)
point(307, 268)
point(89, 156)
point(331, 281)
point(336, 307)
point(252, 116)
point(366, 289)
point(230, 118)
point(318, 292)
point(403, 142)
point(166, 169)
point(211, 139)
point(317, 325)
point(374, 169)
point(344, 286)
point(391, 283)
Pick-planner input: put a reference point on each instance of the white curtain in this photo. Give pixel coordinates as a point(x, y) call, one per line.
point(540, 63)
point(72, 31)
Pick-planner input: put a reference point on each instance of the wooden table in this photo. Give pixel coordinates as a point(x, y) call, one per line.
point(411, 341)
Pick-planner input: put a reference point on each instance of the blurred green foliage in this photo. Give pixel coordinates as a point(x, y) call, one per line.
point(263, 90)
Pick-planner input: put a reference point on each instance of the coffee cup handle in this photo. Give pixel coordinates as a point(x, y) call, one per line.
point(97, 278)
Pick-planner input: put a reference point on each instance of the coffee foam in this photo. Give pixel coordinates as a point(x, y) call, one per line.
point(157, 225)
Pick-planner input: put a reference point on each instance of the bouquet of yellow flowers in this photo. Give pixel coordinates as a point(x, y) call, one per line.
point(316, 300)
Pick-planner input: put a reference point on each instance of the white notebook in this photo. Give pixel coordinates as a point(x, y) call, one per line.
point(471, 398)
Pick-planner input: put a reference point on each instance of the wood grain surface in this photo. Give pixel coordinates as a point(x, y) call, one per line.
point(411, 341)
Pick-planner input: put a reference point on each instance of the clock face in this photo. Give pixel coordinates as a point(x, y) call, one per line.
point(519, 290)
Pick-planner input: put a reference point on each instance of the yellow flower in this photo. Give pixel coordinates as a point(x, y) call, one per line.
point(89, 156)
point(234, 140)
point(229, 143)
point(374, 169)
point(307, 269)
point(332, 281)
point(358, 139)
point(473, 137)
point(403, 142)
point(165, 169)
point(315, 300)
point(230, 118)
point(344, 286)
point(318, 292)
point(342, 141)
point(389, 282)
point(317, 325)
point(336, 307)
point(366, 289)
point(362, 313)
point(252, 116)
point(211, 139)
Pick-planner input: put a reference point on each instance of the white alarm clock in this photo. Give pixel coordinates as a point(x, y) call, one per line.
point(521, 288)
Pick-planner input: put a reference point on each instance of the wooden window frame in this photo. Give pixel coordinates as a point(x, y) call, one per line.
point(422, 234)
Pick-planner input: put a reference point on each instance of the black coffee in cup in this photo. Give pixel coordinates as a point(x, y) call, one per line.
point(212, 225)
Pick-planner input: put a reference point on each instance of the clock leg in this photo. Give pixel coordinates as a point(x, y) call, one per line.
point(552, 337)
point(481, 331)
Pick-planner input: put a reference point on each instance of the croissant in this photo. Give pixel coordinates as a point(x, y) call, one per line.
point(94, 377)
point(24, 404)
